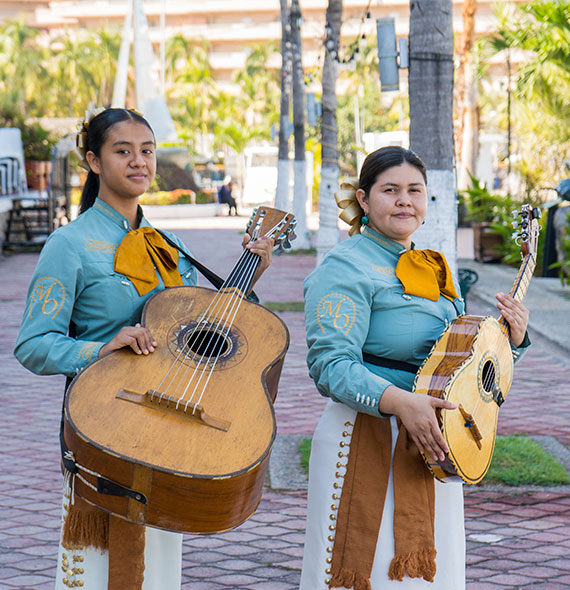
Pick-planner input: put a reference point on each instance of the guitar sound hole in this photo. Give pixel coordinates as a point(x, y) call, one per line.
point(208, 343)
point(488, 376)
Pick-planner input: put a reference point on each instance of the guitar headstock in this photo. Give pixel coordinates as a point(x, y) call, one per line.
point(273, 223)
point(527, 229)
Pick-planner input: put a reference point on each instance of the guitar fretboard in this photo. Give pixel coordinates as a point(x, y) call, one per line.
point(521, 283)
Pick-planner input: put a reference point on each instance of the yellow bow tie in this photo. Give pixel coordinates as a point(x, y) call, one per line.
point(141, 254)
point(425, 273)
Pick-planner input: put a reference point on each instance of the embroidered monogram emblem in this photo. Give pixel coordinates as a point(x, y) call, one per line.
point(49, 294)
point(385, 270)
point(87, 350)
point(99, 246)
point(338, 310)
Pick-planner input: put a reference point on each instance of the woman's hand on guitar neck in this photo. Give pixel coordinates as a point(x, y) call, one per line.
point(417, 412)
point(515, 314)
point(137, 337)
point(263, 247)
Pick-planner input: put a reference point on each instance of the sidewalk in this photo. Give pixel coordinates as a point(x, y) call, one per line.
point(516, 539)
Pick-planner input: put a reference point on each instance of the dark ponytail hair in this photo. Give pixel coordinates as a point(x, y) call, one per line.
point(97, 133)
point(384, 158)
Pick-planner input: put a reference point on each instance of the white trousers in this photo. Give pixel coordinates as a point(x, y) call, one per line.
point(335, 426)
point(89, 568)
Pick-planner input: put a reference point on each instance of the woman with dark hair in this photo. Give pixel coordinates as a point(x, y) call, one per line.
point(85, 300)
point(374, 307)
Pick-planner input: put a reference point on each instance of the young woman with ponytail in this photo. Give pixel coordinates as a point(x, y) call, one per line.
point(85, 300)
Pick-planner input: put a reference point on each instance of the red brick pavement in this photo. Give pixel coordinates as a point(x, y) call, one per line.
point(514, 539)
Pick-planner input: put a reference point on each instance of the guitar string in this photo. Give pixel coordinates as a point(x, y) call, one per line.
point(215, 334)
point(185, 352)
point(519, 289)
point(224, 320)
point(177, 360)
point(247, 277)
point(209, 365)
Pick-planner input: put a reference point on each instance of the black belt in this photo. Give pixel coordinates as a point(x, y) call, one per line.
point(381, 361)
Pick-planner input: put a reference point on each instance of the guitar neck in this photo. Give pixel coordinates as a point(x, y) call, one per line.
point(521, 283)
point(241, 276)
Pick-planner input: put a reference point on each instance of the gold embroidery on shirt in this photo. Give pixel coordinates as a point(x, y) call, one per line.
point(87, 350)
point(376, 238)
point(50, 293)
point(385, 270)
point(99, 246)
point(338, 308)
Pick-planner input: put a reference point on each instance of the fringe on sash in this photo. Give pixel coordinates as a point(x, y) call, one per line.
point(349, 579)
point(84, 525)
point(419, 564)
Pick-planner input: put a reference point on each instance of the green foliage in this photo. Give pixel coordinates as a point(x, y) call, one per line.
point(518, 460)
point(38, 142)
point(496, 210)
point(540, 106)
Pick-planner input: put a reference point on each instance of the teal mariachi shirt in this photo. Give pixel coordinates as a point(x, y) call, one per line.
point(353, 303)
point(74, 284)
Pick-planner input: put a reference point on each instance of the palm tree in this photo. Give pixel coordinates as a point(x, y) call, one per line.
point(282, 193)
point(300, 164)
point(431, 122)
point(194, 96)
point(328, 225)
point(541, 110)
point(467, 119)
point(20, 64)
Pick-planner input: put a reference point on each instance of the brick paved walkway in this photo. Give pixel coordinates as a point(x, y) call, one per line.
point(515, 539)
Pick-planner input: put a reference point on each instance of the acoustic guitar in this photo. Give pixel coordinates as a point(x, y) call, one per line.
point(180, 439)
point(471, 365)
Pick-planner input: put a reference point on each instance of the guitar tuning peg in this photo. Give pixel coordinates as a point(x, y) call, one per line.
point(514, 235)
point(515, 213)
point(515, 224)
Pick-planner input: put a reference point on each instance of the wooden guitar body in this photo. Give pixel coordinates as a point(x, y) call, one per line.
point(191, 464)
point(471, 365)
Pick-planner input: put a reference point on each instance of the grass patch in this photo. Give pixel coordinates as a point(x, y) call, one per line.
point(300, 252)
point(518, 460)
point(285, 305)
point(305, 452)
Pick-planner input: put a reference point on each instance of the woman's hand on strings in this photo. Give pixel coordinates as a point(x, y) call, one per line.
point(263, 247)
point(515, 314)
point(136, 337)
point(417, 412)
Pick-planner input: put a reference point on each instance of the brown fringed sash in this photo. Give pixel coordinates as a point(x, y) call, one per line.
point(88, 526)
point(362, 503)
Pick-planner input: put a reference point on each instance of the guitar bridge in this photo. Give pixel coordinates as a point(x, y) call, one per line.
point(472, 425)
point(154, 400)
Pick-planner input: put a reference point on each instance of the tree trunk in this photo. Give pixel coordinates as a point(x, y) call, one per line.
point(300, 164)
point(467, 119)
point(328, 212)
point(431, 120)
point(282, 196)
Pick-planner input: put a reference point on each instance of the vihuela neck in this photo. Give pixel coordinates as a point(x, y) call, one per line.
point(520, 285)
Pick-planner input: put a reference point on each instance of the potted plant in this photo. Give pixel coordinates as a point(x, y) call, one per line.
point(490, 219)
point(38, 146)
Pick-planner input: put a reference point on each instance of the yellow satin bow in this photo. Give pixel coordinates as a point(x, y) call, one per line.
point(425, 273)
point(141, 254)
